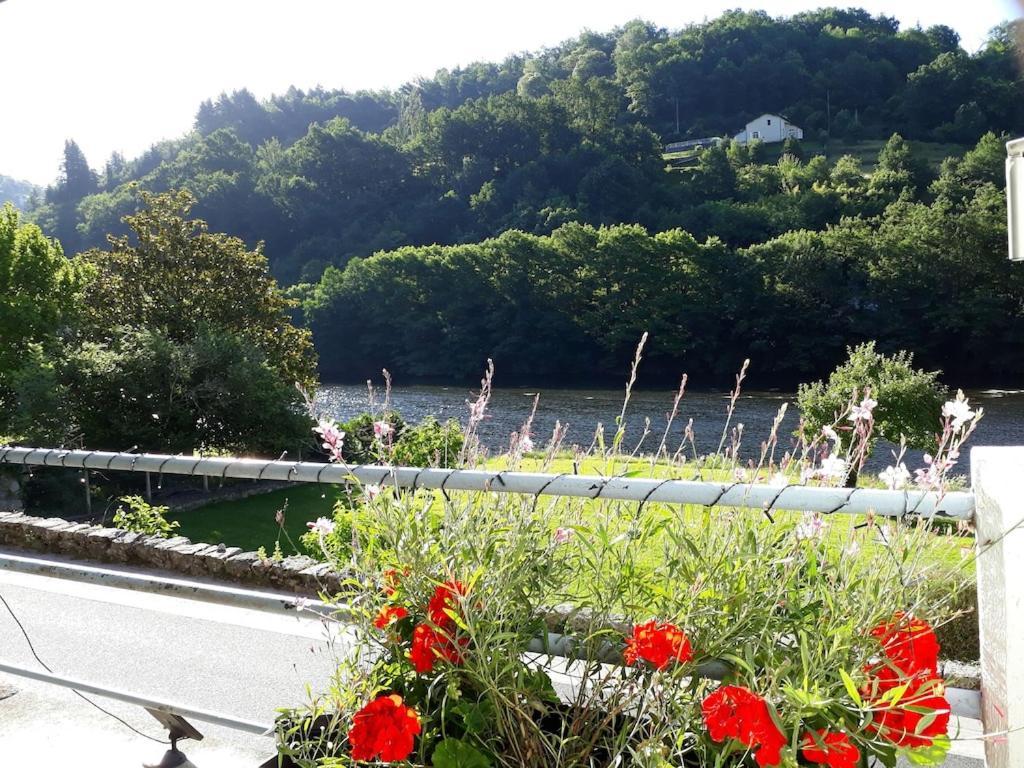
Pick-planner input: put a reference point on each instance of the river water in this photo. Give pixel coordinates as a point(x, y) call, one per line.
point(583, 409)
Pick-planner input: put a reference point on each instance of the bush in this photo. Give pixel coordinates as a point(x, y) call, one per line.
point(363, 444)
point(142, 517)
point(429, 444)
point(909, 400)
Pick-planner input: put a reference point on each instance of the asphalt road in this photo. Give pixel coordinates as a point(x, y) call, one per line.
point(232, 661)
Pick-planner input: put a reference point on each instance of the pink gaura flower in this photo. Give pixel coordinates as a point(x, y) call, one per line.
point(323, 526)
point(332, 437)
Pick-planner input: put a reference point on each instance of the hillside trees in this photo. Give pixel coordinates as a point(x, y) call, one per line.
point(927, 273)
point(569, 133)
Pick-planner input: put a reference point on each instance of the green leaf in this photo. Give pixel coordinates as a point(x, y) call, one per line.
point(851, 688)
point(931, 755)
point(455, 753)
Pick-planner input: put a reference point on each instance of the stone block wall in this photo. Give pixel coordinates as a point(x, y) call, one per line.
point(54, 536)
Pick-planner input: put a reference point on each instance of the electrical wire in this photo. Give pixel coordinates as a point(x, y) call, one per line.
point(80, 695)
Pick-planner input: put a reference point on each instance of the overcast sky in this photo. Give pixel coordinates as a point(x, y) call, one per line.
point(122, 74)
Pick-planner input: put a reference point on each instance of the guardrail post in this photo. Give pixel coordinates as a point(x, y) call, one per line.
point(997, 479)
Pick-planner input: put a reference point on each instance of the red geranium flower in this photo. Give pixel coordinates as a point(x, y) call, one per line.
point(734, 712)
point(388, 614)
point(430, 644)
point(391, 581)
point(910, 644)
point(445, 601)
point(836, 750)
point(914, 720)
point(658, 643)
point(385, 729)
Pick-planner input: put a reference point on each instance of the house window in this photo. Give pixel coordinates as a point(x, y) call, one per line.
point(769, 121)
point(755, 135)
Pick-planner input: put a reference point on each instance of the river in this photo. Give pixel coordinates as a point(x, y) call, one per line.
point(583, 409)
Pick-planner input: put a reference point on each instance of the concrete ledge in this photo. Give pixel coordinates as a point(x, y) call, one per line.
point(298, 574)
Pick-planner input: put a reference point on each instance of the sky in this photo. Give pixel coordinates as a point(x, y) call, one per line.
point(123, 74)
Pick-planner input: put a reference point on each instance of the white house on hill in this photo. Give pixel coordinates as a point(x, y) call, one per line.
point(769, 129)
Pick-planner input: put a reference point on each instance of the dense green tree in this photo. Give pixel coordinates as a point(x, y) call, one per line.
point(39, 293)
point(175, 277)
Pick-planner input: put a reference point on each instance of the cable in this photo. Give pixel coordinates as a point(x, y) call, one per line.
point(80, 695)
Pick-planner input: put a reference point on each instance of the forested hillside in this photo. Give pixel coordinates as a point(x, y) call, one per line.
point(570, 133)
point(556, 143)
point(19, 193)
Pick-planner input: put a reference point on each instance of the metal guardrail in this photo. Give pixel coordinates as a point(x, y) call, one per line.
point(133, 581)
point(796, 497)
point(238, 724)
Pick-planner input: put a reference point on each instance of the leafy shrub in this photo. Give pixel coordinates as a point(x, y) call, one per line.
point(363, 444)
point(142, 517)
point(429, 444)
point(909, 399)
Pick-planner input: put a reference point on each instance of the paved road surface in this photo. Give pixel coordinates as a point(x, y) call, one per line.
point(233, 661)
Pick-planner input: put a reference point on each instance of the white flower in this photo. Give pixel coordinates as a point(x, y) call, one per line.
point(562, 535)
point(301, 603)
point(852, 549)
point(371, 492)
point(740, 475)
point(830, 434)
point(833, 468)
point(958, 410)
point(895, 478)
point(812, 526)
point(526, 444)
point(382, 429)
point(779, 480)
point(322, 526)
point(863, 412)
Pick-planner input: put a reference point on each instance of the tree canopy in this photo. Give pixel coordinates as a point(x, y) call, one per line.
point(570, 133)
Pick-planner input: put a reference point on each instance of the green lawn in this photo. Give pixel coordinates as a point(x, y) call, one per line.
point(249, 523)
point(865, 151)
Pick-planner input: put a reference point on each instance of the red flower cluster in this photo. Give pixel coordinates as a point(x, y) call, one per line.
point(658, 643)
point(385, 728)
point(391, 581)
point(835, 750)
point(910, 645)
point(921, 712)
point(388, 614)
point(734, 712)
point(445, 602)
point(439, 638)
point(919, 715)
point(429, 645)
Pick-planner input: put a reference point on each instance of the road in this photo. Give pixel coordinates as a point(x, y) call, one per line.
point(232, 661)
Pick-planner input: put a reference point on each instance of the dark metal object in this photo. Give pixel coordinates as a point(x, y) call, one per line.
point(177, 728)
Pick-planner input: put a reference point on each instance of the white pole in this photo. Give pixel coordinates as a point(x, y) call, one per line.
point(1015, 198)
point(996, 479)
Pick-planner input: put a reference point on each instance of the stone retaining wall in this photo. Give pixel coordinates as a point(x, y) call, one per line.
point(55, 536)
